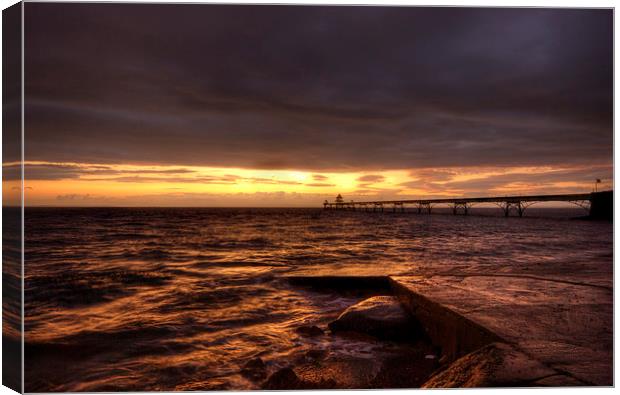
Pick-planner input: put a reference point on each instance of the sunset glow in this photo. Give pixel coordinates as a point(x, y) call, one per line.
point(260, 129)
point(265, 197)
point(76, 184)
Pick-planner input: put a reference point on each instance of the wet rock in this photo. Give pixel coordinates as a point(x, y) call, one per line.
point(388, 365)
point(254, 369)
point(310, 331)
point(316, 354)
point(283, 379)
point(494, 365)
point(339, 373)
point(287, 379)
point(559, 380)
point(382, 317)
point(404, 371)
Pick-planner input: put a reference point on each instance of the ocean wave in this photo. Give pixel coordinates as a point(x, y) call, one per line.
point(167, 299)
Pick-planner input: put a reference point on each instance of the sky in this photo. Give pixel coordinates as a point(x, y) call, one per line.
point(239, 105)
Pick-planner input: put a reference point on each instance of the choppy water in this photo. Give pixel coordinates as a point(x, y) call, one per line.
point(179, 299)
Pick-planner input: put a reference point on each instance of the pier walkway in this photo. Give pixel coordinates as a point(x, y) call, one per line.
point(598, 203)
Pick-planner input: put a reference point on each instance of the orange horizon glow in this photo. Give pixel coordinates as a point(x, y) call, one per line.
point(168, 185)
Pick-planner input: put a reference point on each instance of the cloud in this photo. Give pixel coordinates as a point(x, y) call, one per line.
point(72, 197)
point(318, 88)
point(108, 173)
point(319, 177)
point(320, 184)
point(434, 174)
point(55, 171)
point(41, 172)
point(530, 181)
point(147, 179)
point(371, 178)
point(499, 181)
point(260, 180)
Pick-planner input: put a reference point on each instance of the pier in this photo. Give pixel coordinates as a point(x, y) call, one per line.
point(598, 204)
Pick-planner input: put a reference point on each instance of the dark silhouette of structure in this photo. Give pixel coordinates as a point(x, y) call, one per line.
point(598, 204)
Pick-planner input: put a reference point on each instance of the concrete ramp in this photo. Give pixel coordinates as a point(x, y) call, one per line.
point(565, 325)
point(502, 329)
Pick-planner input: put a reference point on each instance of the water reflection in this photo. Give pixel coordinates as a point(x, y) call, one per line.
point(180, 299)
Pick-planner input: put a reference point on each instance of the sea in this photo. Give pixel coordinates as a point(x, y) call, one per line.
point(147, 299)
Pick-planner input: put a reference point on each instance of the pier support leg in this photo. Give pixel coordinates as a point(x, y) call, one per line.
point(424, 206)
point(518, 205)
point(463, 205)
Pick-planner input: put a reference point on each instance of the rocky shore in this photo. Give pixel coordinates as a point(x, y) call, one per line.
point(405, 359)
point(425, 341)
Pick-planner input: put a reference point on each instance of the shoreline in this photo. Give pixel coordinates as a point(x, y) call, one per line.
point(500, 330)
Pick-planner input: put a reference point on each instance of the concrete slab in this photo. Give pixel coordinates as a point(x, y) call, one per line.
point(566, 325)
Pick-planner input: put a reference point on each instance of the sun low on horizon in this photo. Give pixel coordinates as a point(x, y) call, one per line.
point(79, 184)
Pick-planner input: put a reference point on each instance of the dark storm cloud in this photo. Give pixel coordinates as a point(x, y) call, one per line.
point(317, 88)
